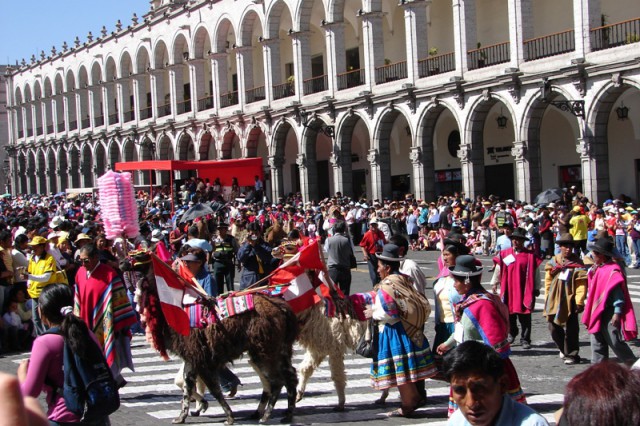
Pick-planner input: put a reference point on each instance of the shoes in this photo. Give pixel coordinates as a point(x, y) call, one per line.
point(526, 345)
point(233, 391)
point(422, 402)
point(510, 339)
point(572, 360)
point(561, 355)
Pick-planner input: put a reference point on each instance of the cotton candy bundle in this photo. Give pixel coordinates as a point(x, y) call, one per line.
point(118, 205)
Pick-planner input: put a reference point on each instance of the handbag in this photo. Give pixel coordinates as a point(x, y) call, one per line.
point(368, 344)
point(353, 263)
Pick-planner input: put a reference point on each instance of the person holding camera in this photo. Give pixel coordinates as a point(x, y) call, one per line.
point(255, 257)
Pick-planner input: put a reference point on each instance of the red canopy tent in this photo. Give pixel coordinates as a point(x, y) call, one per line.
point(244, 169)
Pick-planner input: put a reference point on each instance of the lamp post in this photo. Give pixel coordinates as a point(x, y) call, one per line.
point(501, 120)
point(622, 112)
point(303, 118)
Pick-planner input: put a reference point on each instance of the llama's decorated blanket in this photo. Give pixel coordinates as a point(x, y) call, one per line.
point(200, 316)
point(360, 302)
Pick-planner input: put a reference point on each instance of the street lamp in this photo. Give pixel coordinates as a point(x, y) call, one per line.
point(303, 117)
point(502, 120)
point(622, 112)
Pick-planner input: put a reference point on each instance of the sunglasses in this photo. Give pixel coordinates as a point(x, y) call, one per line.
point(84, 261)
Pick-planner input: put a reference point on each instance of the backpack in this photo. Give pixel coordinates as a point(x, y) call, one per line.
point(89, 389)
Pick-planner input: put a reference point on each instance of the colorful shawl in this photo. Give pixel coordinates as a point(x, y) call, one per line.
point(517, 280)
point(602, 280)
point(359, 301)
point(102, 302)
point(401, 300)
point(490, 317)
point(562, 293)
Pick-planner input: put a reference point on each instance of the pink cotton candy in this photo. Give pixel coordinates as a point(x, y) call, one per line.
point(118, 205)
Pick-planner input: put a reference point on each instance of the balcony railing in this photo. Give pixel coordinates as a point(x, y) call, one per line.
point(391, 72)
point(254, 95)
point(20, 134)
point(549, 45)
point(86, 122)
point(205, 103)
point(487, 56)
point(73, 125)
point(614, 35)
point(146, 113)
point(349, 79)
point(164, 110)
point(129, 116)
point(316, 84)
point(113, 118)
point(49, 129)
point(228, 99)
point(436, 64)
point(99, 121)
point(184, 106)
point(39, 130)
point(29, 133)
point(60, 127)
point(283, 90)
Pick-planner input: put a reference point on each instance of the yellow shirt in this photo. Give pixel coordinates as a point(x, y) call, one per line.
point(45, 264)
point(579, 227)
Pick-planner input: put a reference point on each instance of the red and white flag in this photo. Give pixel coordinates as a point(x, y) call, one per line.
point(171, 291)
point(299, 291)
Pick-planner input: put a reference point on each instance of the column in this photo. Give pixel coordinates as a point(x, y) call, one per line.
point(472, 165)
point(336, 60)
point(595, 168)
point(175, 91)
point(198, 83)
point(340, 159)
point(273, 74)
point(520, 14)
point(277, 178)
point(54, 114)
point(376, 179)
point(244, 59)
point(419, 178)
point(373, 41)
point(464, 32)
point(120, 92)
point(415, 24)
point(301, 60)
point(587, 14)
point(220, 77)
point(302, 163)
point(528, 176)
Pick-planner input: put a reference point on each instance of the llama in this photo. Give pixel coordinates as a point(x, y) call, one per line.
point(267, 333)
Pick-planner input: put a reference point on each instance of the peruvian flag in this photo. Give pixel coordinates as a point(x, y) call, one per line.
point(297, 288)
point(171, 291)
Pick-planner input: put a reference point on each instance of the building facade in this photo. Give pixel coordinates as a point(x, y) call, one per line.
point(5, 180)
point(373, 98)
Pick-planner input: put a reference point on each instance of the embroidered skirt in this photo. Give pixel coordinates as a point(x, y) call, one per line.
point(399, 361)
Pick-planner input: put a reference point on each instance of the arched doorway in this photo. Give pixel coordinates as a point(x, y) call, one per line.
point(392, 171)
point(353, 142)
point(52, 171)
point(285, 173)
point(86, 167)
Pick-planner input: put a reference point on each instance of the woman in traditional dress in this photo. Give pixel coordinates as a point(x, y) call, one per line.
point(403, 356)
point(446, 297)
point(483, 317)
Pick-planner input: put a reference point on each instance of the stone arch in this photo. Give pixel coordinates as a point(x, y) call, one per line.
point(41, 171)
point(612, 145)
point(52, 171)
point(114, 154)
point(125, 65)
point(253, 138)
point(303, 13)
point(273, 18)
point(353, 141)
point(96, 76)
point(18, 95)
point(186, 148)
point(477, 177)
point(230, 146)
point(63, 168)
point(201, 39)
point(436, 150)
point(317, 178)
point(142, 58)
point(550, 137)
point(129, 151)
point(207, 147)
point(160, 54)
point(180, 48)
point(165, 148)
point(48, 87)
point(59, 84)
point(100, 160)
point(70, 81)
point(249, 19)
point(86, 166)
point(223, 30)
point(285, 171)
point(74, 166)
point(110, 69)
point(31, 172)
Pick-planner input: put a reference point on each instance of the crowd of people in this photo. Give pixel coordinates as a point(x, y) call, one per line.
point(46, 241)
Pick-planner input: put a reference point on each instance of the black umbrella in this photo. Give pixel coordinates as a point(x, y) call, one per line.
point(196, 211)
point(549, 196)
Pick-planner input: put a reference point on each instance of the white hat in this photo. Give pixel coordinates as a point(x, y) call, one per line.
point(156, 235)
point(53, 235)
point(372, 221)
point(56, 221)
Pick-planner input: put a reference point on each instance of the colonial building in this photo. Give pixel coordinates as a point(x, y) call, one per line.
point(367, 97)
point(5, 183)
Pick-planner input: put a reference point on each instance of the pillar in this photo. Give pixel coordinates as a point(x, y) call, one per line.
point(586, 15)
point(520, 14)
point(273, 74)
point(244, 59)
point(464, 32)
point(301, 60)
point(336, 60)
point(340, 160)
point(220, 77)
point(198, 83)
point(277, 178)
point(595, 168)
point(373, 41)
point(528, 175)
point(472, 165)
point(417, 44)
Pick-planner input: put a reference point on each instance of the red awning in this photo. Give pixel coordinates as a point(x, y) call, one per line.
point(244, 169)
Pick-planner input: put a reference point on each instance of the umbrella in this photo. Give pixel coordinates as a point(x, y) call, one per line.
point(7, 195)
point(549, 196)
point(196, 211)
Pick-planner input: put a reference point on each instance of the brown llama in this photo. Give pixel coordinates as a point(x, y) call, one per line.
point(266, 333)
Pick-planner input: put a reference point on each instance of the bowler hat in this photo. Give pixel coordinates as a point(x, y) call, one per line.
point(390, 253)
point(604, 246)
point(520, 234)
point(465, 266)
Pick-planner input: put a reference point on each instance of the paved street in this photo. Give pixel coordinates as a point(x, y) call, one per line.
point(150, 398)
